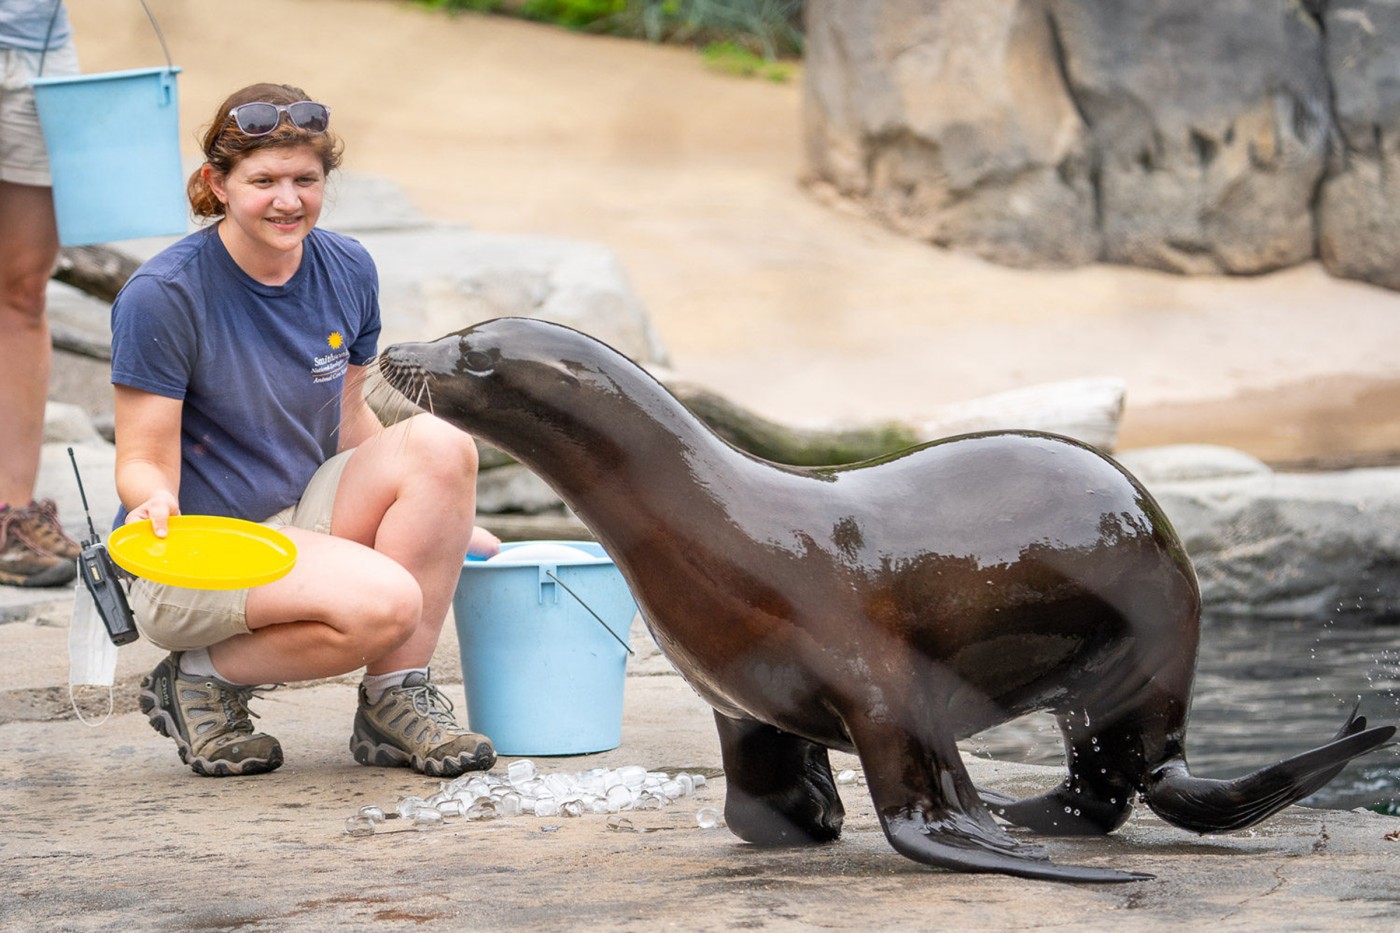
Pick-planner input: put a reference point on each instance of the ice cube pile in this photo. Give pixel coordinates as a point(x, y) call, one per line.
point(525, 790)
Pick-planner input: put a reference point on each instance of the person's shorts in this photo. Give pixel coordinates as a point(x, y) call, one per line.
point(23, 158)
point(179, 619)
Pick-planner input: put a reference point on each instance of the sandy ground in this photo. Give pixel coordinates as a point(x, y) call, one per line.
point(799, 309)
point(103, 829)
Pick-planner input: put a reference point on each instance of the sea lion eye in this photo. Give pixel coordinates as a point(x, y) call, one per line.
point(478, 362)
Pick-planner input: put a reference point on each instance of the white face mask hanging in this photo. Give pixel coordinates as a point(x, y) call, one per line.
point(92, 658)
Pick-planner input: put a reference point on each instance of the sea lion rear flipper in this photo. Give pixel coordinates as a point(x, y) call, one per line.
point(1094, 800)
point(925, 823)
point(778, 787)
point(1205, 806)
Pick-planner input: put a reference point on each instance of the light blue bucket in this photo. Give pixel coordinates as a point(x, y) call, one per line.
point(543, 644)
point(114, 148)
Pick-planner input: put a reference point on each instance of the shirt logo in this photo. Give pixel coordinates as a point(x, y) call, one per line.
point(333, 365)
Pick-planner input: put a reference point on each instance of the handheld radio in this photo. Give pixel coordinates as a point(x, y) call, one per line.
point(100, 576)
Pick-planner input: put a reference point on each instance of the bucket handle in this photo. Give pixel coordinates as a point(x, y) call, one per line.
point(550, 574)
point(53, 18)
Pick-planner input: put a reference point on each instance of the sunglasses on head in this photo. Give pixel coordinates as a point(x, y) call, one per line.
point(260, 118)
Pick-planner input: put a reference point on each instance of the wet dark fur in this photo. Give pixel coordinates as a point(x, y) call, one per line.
point(887, 608)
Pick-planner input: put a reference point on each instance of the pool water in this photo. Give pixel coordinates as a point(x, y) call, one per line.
point(1264, 691)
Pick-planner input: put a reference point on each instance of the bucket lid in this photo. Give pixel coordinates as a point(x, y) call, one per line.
point(105, 76)
point(548, 552)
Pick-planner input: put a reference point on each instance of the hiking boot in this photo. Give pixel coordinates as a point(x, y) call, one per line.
point(23, 560)
point(41, 526)
point(412, 724)
point(208, 719)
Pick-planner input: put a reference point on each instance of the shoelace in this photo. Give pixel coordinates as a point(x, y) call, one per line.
point(45, 511)
point(235, 703)
point(431, 702)
point(48, 514)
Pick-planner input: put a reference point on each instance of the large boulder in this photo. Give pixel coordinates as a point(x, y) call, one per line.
point(951, 121)
point(1283, 546)
point(1196, 136)
point(1358, 224)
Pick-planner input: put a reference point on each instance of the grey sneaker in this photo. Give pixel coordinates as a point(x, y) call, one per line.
point(24, 561)
point(209, 720)
point(413, 725)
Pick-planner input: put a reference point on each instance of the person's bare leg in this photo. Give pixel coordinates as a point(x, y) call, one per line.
point(28, 247)
point(341, 607)
point(410, 493)
point(375, 593)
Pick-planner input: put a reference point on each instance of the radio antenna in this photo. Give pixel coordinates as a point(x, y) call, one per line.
point(82, 492)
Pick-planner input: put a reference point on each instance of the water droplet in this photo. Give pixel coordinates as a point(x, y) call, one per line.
point(707, 818)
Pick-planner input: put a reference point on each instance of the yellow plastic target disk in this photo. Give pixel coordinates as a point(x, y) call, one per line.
point(204, 552)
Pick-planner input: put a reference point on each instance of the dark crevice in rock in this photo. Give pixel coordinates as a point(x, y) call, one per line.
point(1205, 148)
point(1316, 10)
point(1095, 165)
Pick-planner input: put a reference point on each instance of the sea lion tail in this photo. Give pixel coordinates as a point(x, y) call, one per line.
point(1204, 805)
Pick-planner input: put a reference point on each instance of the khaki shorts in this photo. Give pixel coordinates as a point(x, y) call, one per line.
point(23, 158)
point(180, 619)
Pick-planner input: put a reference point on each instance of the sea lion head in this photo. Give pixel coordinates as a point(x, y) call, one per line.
point(512, 377)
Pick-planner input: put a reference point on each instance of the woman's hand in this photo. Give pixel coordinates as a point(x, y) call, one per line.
point(483, 544)
point(148, 455)
point(158, 509)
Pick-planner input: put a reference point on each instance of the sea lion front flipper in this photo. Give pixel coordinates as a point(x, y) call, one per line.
point(910, 784)
point(779, 789)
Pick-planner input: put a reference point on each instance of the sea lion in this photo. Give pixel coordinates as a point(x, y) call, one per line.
point(886, 608)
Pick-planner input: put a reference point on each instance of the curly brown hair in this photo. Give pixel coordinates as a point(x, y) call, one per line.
point(224, 144)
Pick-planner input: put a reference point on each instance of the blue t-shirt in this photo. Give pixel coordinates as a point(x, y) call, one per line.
point(24, 24)
point(260, 367)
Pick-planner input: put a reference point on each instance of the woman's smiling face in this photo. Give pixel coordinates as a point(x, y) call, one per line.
point(272, 199)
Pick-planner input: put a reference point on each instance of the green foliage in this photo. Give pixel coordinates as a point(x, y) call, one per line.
point(739, 37)
point(771, 28)
point(768, 28)
point(734, 59)
point(461, 6)
point(576, 14)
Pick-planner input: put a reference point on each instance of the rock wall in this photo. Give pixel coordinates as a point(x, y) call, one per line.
point(1195, 136)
